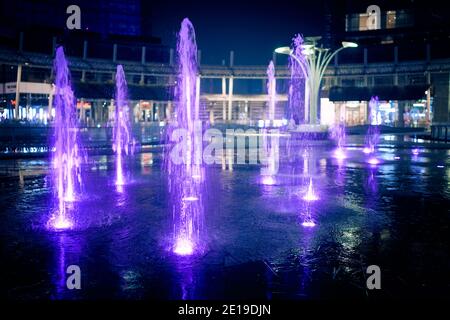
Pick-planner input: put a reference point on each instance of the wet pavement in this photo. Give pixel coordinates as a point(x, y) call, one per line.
point(394, 215)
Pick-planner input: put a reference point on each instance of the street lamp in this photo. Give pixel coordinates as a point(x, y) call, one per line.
point(314, 66)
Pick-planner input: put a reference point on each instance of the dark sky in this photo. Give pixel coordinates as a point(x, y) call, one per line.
point(245, 26)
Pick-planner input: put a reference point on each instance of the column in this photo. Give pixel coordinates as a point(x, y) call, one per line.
point(247, 111)
point(169, 110)
point(28, 107)
point(211, 115)
point(428, 105)
point(50, 106)
point(21, 41)
point(143, 55)
point(114, 52)
point(441, 96)
point(401, 111)
point(82, 113)
point(224, 93)
point(19, 77)
point(142, 79)
point(230, 99)
point(85, 49)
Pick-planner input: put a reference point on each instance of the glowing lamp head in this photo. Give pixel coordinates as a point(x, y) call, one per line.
point(415, 152)
point(374, 161)
point(283, 50)
point(348, 44)
point(183, 247)
point(367, 150)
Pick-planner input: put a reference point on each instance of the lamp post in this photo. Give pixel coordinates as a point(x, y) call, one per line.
point(313, 67)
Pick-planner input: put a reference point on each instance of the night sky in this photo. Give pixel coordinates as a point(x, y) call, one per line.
point(251, 28)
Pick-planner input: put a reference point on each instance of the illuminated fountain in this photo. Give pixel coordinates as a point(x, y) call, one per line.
point(184, 166)
point(310, 194)
point(271, 91)
point(121, 131)
point(269, 155)
point(298, 91)
point(66, 159)
point(373, 133)
point(270, 146)
point(339, 136)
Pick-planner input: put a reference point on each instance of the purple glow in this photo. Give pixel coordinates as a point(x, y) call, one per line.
point(397, 158)
point(268, 180)
point(415, 151)
point(66, 159)
point(338, 134)
point(373, 133)
point(310, 195)
point(298, 95)
point(308, 224)
point(339, 153)
point(121, 132)
point(62, 223)
point(186, 180)
point(183, 247)
point(271, 90)
point(373, 161)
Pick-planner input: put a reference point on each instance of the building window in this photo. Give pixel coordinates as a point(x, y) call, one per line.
point(390, 19)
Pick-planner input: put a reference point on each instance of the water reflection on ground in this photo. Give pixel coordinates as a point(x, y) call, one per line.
point(393, 214)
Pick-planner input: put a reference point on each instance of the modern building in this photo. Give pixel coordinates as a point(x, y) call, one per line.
point(398, 33)
point(401, 59)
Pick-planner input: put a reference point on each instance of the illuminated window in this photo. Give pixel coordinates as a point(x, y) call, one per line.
point(390, 20)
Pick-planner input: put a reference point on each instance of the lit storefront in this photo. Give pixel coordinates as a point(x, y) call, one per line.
point(388, 112)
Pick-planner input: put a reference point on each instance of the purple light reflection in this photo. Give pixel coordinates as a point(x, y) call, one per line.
point(65, 159)
point(310, 194)
point(373, 161)
point(186, 180)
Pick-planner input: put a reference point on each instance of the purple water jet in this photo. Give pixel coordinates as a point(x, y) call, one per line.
point(310, 194)
point(373, 133)
point(66, 159)
point(268, 154)
point(122, 141)
point(271, 91)
point(339, 135)
point(298, 93)
point(186, 173)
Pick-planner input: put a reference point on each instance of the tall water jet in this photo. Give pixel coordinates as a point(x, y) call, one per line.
point(122, 141)
point(373, 132)
point(271, 91)
point(183, 160)
point(269, 155)
point(66, 158)
point(298, 91)
point(339, 136)
point(310, 194)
